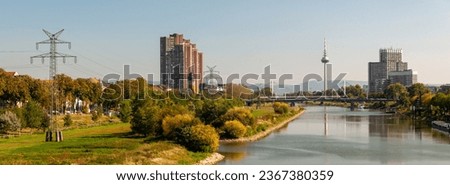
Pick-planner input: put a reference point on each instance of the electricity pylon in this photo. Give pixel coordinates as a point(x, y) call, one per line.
point(211, 70)
point(211, 75)
point(53, 55)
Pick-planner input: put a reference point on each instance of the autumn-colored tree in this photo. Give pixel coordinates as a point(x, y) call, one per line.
point(399, 93)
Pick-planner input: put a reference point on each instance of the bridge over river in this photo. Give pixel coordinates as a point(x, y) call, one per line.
point(301, 99)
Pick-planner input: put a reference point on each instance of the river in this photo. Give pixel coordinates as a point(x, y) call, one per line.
point(336, 135)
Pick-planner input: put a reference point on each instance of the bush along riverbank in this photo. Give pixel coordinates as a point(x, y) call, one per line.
point(267, 122)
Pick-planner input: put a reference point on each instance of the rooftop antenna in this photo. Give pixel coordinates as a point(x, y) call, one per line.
point(53, 55)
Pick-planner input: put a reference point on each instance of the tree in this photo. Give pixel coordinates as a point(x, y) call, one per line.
point(426, 99)
point(146, 119)
point(95, 91)
point(148, 115)
point(133, 88)
point(417, 89)
point(65, 90)
point(266, 91)
point(125, 111)
point(40, 92)
point(355, 91)
point(34, 115)
point(3, 77)
point(9, 122)
point(112, 96)
point(441, 104)
point(88, 90)
point(172, 110)
point(15, 89)
point(211, 111)
point(416, 92)
point(399, 93)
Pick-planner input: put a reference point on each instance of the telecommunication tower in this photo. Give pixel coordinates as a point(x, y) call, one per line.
point(325, 60)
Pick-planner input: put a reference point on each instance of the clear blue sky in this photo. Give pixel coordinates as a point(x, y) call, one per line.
point(238, 36)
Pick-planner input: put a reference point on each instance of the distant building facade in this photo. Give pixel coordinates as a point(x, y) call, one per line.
point(390, 69)
point(407, 78)
point(181, 63)
point(377, 76)
point(444, 88)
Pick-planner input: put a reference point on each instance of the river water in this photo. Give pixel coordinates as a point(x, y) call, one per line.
point(336, 135)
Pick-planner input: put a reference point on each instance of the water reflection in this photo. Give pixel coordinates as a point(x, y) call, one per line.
point(334, 135)
point(235, 156)
point(325, 120)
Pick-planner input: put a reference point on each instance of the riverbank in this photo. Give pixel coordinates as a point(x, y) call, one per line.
point(263, 134)
point(214, 158)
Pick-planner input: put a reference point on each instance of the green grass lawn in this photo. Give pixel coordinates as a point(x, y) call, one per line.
point(107, 144)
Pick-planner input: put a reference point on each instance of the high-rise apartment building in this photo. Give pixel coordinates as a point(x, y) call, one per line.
point(181, 63)
point(390, 69)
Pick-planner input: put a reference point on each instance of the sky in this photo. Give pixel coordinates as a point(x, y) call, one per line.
point(239, 36)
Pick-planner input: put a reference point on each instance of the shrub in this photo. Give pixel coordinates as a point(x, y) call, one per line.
point(68, 120)
point(97, 113)
point(199, 138)
point(268, 116)
point(173, 125)
point(125, 111)
point(45, 122)
point(262, 127)
point(233, 129)
point(242, 115)
point(280, 108)
point(9, 122)
point(85, 109)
